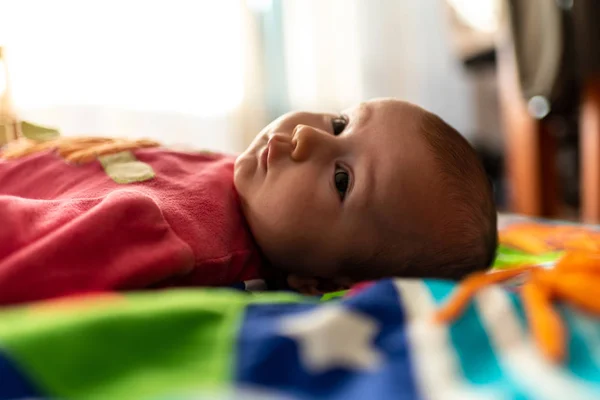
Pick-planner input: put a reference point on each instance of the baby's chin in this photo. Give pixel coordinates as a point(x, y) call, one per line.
point(240, 173)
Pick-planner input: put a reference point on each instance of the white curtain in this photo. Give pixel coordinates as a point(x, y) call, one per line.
point(172, 70)
point(322, 53)
point(339, 52)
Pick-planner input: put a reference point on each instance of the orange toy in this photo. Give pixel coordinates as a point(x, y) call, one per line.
point(575, 280)
point(75, 149)
point(538, 238)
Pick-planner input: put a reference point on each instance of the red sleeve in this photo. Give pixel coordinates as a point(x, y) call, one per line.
point(52, 248)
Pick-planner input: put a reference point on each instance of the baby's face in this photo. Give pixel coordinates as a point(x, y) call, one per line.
point(317, 188)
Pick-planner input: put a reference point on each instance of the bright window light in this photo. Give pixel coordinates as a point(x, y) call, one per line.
point(161, 55)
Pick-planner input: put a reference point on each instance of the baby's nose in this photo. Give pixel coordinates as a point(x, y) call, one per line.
point(307, 140)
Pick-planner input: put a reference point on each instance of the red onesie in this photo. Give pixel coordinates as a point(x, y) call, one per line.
point(68, 229)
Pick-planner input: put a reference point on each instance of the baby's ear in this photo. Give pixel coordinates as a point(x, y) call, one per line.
point(317, 286)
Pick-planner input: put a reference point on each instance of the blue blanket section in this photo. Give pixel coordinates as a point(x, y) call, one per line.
point(268, 356)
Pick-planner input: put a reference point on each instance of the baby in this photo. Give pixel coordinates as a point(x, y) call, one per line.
point(384, 189)
point(316, 203)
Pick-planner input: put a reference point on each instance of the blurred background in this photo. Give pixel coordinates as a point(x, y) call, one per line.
point(515, 77)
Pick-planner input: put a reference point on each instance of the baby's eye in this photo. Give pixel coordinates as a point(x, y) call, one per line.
point(339, 124)
point(342, 181)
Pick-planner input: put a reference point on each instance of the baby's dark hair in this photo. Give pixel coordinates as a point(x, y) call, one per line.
point(471, 197)
point(467, 229)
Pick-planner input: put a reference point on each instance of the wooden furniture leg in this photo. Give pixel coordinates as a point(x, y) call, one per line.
point(590, 152)
point(551, 200)
point(530, 148)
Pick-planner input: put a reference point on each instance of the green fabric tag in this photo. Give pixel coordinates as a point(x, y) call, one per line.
point(124, 168)
point(122, 157)
point(37, 132)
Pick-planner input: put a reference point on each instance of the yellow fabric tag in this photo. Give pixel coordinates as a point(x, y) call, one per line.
point(117, 158)
point(38, 133)
point(124, 168)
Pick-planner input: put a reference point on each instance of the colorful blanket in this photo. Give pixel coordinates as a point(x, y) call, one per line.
point(374, 342)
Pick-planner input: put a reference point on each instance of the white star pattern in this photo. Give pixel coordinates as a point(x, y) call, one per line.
point(334, 336)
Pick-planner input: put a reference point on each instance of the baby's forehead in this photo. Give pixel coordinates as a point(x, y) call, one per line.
point(390, 128)
point(387, 108)
point(388, 122)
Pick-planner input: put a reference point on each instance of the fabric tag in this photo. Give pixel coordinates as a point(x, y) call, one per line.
point(38, 133)
point(124, 168)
